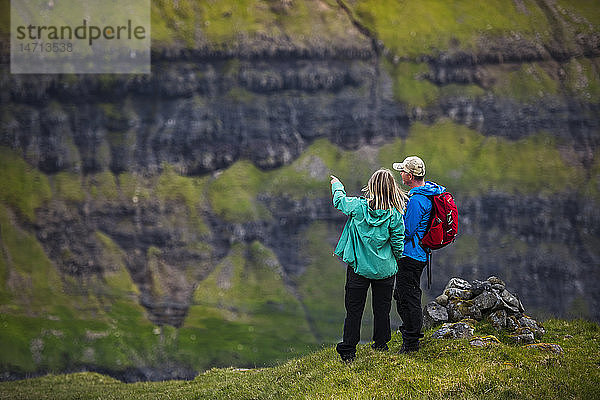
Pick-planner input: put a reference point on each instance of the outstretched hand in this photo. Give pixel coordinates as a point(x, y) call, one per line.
point(334, 179)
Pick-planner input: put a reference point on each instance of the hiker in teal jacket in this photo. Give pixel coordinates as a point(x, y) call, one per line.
point(372, 240)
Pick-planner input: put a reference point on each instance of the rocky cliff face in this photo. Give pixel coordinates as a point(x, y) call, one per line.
point(202, 117)
point(139, 159)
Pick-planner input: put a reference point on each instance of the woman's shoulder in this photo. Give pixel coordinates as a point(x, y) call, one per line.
point(397, 215)
point(357, 203)
point(362, 204)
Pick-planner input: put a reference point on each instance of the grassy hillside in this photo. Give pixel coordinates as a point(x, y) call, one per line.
point(53, 320)
point(407, 28)
point(442, 369)
point(244, 314)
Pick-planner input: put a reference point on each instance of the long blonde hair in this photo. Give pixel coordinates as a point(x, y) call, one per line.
point(383, 193)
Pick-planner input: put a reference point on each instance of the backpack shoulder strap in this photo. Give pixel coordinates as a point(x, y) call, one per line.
point(421, 194)
point(427, 251)
point(430, 197)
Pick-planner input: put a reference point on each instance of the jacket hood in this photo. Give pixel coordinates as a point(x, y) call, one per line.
point(429, 189)
point(376, 217)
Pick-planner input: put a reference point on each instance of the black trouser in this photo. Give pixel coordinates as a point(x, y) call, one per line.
point(408, 299)
point(356, 296)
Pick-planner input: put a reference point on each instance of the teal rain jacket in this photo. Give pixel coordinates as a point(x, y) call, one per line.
point(372, 240)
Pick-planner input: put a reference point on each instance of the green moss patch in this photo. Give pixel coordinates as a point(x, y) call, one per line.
point(244, 314)
point(222, 24)
point(189, 190)
point(582, 79)
point(233, 194)
point(102, 186)
point(116, 279)
point(67, 186)
point(525, 82)
point(415, 28)
point(30, 278)
point(409, 87)
point(22, 187)
point(582, 14)
point(466, 161)
point(321, 286)
point(309, 175)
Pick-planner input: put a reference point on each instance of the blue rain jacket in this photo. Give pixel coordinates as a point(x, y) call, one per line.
point(416, 218)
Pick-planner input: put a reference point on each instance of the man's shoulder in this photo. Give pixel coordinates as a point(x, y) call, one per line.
point(419, 197)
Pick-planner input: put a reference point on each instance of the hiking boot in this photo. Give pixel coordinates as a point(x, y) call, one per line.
point(380, 347)
point(347, 358)
point(409, 349)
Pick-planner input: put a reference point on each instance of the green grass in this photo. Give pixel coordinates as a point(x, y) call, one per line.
point(409, 87)
point(322, 284)
point(220, 24)
point(233, 194)
point(582, 79)
point(593, 187)
point(469, 163)
point(21, 186)
point(73, 13)
point(442, 369)
point(588, 9)
point(411, 29)
point(525, 82)
point(52, 321)
point(223, 21)
point(415, 28)
point(408, 28)
point(174, 22)
point(67, 186)
point(309, 175)
point(116, 278)
point(172, 187)
point(462, 159)
point(244, 314)
point(102, 186)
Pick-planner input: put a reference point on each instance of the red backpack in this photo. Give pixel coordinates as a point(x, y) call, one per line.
point(443, 222)
point(442, 228)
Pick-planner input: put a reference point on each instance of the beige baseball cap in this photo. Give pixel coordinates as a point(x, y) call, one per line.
point(413, 165)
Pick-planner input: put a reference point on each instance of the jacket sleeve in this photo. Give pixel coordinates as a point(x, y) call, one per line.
point(415, 211)
point(345, 204)
point(397, 235)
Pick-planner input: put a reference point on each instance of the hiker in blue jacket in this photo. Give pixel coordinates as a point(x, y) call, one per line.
point(371, 242)
point(414, 258)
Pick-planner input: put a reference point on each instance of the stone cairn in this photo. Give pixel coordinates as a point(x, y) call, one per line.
point(462, 304)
